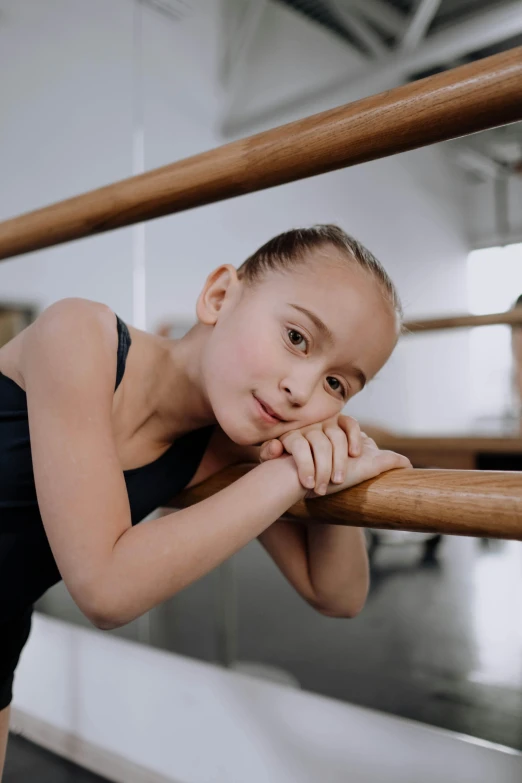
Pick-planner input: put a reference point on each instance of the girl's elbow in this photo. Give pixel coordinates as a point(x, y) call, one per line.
point(104, 622)
point(102, 617)
point(100, 610)
point(346, 610)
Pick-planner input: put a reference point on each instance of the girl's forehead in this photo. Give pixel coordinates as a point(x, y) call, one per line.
point(323, 270)
point(338, 288)
point(347, 308)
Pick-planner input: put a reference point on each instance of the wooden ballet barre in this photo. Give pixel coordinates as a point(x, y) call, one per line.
point(456, 502)
point(511, 317)
point(471, 98)
point(462, 452)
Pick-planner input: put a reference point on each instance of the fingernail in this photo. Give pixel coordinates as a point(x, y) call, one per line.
point(338, 477)
point(310, 482)
point(322, 489)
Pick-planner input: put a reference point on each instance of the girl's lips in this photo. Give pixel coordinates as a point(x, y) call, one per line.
point(264, 412)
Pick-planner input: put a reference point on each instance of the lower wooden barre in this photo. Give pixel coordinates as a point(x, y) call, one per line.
point(510, 317)
point(456, 502)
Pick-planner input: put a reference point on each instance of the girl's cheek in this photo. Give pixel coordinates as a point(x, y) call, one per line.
point(254, 351)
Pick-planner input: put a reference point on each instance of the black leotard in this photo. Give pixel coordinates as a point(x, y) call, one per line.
point(27, 566)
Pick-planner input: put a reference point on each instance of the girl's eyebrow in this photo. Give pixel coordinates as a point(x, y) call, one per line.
point(322, 327)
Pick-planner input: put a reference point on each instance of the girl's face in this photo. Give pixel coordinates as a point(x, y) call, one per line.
point(293, 349)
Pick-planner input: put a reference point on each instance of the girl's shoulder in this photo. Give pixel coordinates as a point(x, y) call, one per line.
point(63, 327)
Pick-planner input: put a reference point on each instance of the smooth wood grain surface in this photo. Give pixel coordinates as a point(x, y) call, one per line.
point(471, 98)
point(455, 502)
point(511, 317)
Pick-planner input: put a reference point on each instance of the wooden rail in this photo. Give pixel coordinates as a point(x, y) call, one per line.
point(462, 452)
point(511, 317)
point(480, 443)
point(465, 100)
point(456, 502)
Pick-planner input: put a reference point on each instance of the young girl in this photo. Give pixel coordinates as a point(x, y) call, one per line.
point(101, 424)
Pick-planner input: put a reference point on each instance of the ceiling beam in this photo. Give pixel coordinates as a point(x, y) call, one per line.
point(164, 8)
point(242, 40)
point(237, 59)
point(418, 27)
point(474, 32)
point(353, 24)
point(381, 14)
point(475, 162)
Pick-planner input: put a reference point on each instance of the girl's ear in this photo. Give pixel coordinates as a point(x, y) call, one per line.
point(221, 286)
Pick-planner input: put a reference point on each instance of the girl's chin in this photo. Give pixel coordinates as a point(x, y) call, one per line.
point(239, 423)
point(242, 436)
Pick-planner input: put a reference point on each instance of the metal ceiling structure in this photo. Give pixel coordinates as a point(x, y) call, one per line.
point(406, 24)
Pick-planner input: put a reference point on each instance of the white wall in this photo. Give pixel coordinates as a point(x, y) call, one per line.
point(65, 93)
point(481, 213)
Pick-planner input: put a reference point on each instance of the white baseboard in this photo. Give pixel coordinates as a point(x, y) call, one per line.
point(111, 766)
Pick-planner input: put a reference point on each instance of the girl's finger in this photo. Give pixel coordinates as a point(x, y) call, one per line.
point(353, 433)
point(339, 442)
point(300, 450)
point(390, 460)
point(323, 457)
point(270, 450)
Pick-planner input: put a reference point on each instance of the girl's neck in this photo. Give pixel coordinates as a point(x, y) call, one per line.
point(180, 400)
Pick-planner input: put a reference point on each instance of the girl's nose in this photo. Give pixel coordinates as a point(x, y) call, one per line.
point(298, 390)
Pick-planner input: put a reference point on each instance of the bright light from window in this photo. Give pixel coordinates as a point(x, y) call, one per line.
point(494, 283)
point(494, 278)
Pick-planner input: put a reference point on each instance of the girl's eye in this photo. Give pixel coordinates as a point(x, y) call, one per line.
point(336, 385)
point(297, 339)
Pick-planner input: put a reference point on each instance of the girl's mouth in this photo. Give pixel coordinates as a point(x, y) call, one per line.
point(266, 412)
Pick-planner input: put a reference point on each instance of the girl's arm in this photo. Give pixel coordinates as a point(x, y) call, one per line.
point(328, 564)
point(339, 568)
point(152, 561)
point(291, 544)
point(113, 571)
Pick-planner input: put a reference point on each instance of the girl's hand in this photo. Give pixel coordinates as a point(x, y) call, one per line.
point(371, 462)
point(331, 453)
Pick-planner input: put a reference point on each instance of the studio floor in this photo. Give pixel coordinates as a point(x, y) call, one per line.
point(27, 763)
point(438, 642)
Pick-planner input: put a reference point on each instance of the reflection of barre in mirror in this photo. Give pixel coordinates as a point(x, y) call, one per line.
point(467, 446)
point(510, 318)
point(122, 421)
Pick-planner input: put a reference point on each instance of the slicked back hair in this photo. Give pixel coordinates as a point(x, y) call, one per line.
point(293, 247)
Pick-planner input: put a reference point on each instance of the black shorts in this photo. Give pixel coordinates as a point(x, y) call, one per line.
point(27, 570)
point(13, 636)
